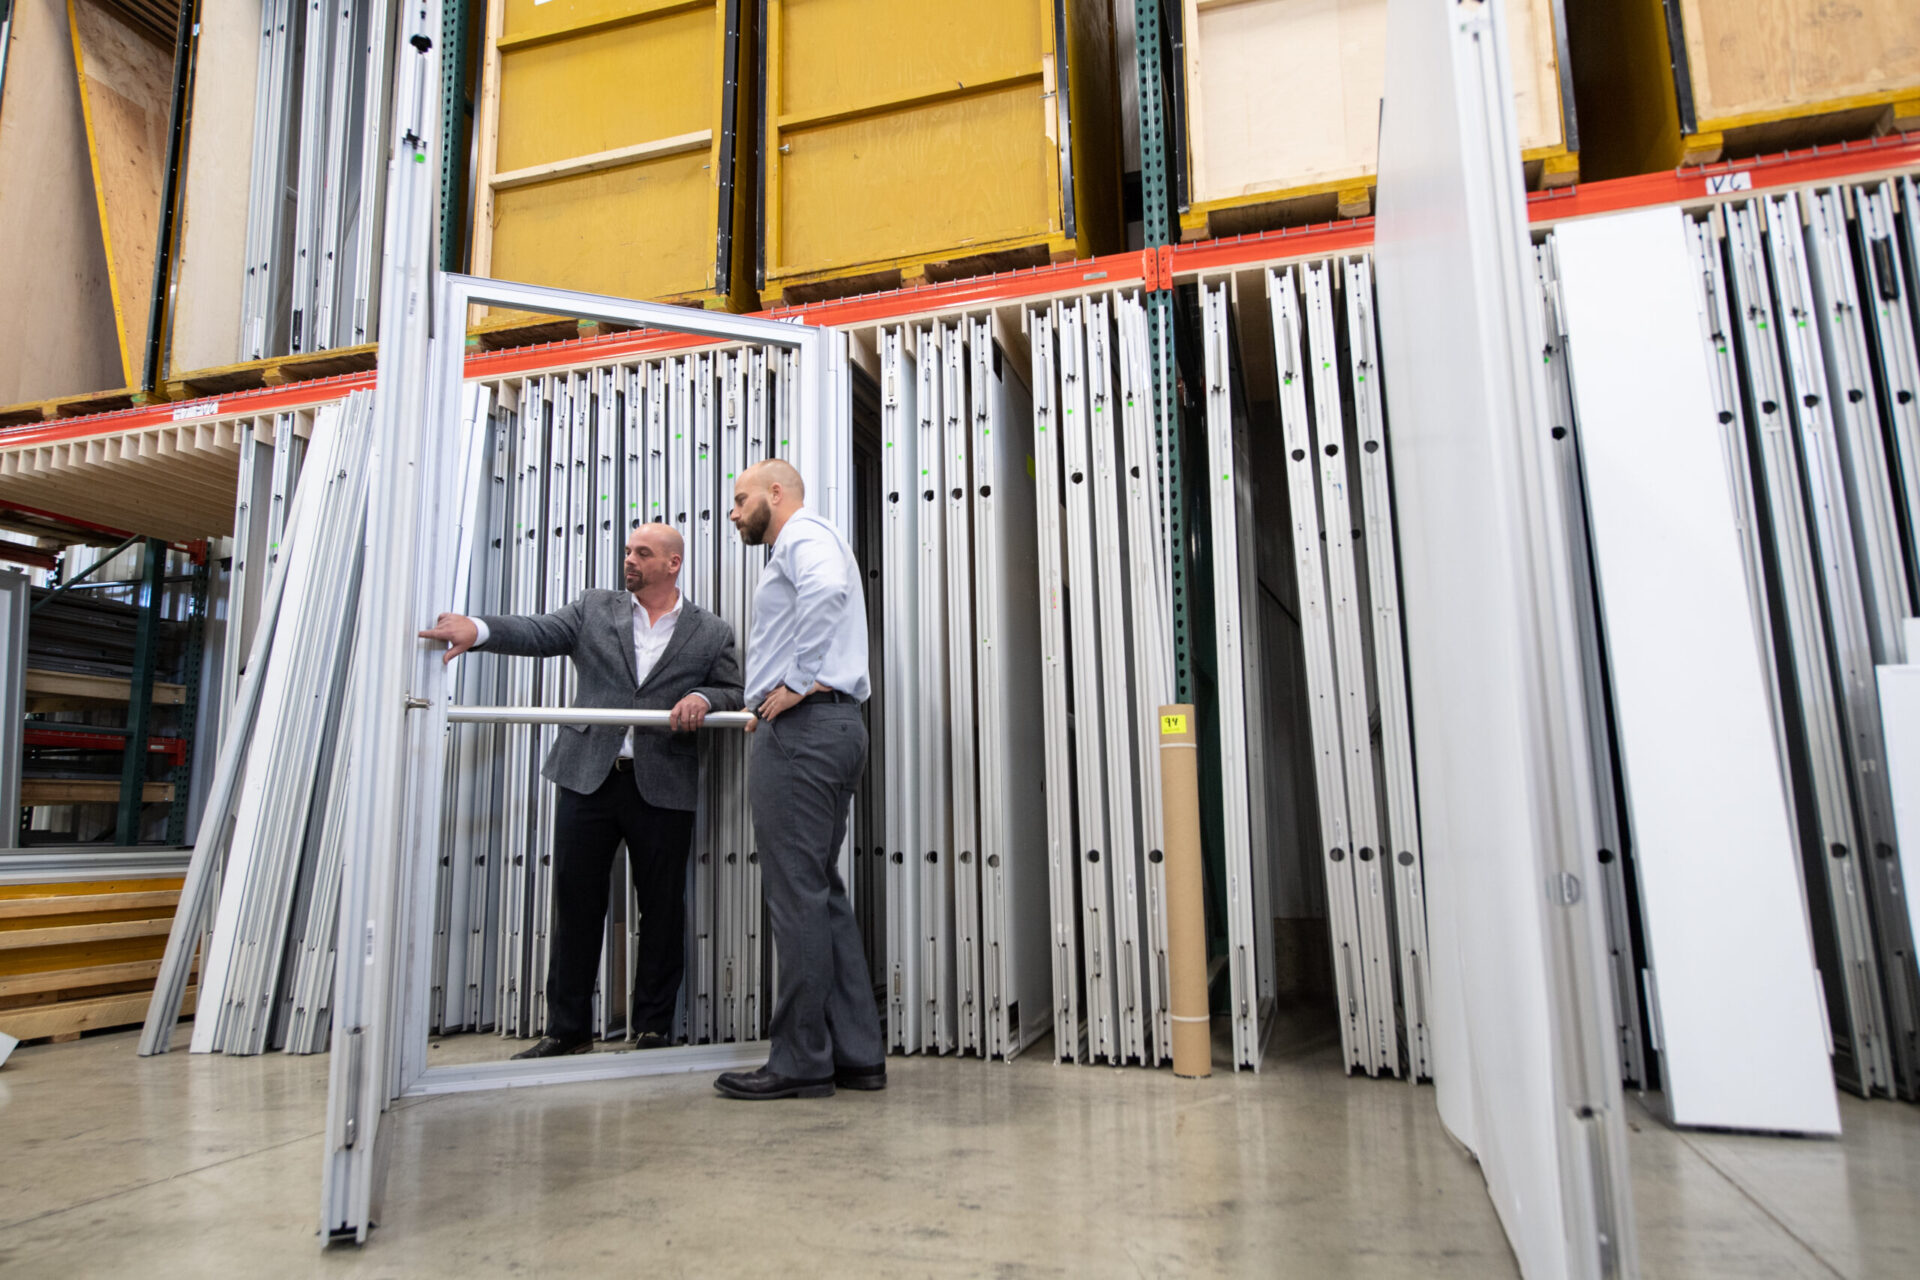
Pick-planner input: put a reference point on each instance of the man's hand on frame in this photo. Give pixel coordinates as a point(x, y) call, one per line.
point(457, 630)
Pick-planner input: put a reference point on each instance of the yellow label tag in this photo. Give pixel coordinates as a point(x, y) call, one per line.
point(1173, 724)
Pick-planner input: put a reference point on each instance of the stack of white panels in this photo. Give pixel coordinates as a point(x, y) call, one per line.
point(1106, 628)
point(319, 176)
point(1337, 465)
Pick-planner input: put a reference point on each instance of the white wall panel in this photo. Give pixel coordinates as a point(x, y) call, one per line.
point(1900, 721)
point(1739, 1015)
point(1522, 1037)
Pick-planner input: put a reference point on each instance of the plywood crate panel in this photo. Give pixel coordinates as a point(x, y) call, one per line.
point(1282, 104)
point(1746, 77)
point(611, 153)
point(927, 141)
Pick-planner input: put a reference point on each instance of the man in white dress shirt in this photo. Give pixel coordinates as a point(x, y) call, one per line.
point(645, 648)
point(806, 679)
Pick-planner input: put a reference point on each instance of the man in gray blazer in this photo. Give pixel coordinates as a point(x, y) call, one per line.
point(646, 648)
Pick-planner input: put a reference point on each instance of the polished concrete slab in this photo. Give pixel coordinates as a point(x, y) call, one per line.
point(196, 1166)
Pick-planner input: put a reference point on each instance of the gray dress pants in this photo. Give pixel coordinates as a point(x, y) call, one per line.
point(806, 765)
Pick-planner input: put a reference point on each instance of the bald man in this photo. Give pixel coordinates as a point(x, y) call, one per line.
point(806, 679)
point(646, 648)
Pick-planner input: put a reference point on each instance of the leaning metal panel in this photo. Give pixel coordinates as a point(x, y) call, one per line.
point(1609, 857)
point(1329, 765)
point(1069, 1034)
point(1847, 499)
point(900, 595)
point(1402, 841)
point(1223, 495)
point(1857, 1029)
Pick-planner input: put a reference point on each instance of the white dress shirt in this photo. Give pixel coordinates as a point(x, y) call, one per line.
point(809, 614)
point(650, 639)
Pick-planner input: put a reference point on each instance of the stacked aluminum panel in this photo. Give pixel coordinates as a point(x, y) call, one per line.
point(319, 176)
point(1106, 664)
point(1332, 432)
point(1809, 304)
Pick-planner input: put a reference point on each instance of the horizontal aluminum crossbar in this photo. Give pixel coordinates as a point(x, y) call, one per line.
point(589, 715)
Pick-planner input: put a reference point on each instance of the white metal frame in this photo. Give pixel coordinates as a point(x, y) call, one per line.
point(386, 920)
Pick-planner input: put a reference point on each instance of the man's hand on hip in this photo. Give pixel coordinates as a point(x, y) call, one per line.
point(688, 714)
point(784, 699)
point(457, 630)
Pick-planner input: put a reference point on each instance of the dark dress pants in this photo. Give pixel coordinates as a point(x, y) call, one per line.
point(806, 764)
point(587, 829)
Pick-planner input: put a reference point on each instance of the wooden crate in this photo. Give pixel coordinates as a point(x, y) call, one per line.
point(926, 141)
point(1281, 101)
point(612, 158)
point(81, 956)
point(1739, 78)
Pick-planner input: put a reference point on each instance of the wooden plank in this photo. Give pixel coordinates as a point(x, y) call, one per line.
point(67, 904)
point(72, 1017)
point(67, 684)
point(57, 335)
point(75, 979)
point(14, 939)
point(89, 888)
point(126, 81)
point(49, 791)
point(699, 140)
point(81, 955)
point(210, 263)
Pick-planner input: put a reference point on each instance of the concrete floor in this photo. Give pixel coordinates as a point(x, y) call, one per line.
point(207, 1166)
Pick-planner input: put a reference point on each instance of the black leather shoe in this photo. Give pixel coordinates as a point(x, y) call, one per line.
point(554, 1047)
point(867, 1079)
point(651, 1040)
point(755, 1086)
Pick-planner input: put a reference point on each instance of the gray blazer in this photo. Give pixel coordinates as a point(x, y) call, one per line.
point(596, 631)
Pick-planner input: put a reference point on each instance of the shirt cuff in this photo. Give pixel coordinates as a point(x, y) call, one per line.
point(800, 689)
point(703, 697)
point(486, 632)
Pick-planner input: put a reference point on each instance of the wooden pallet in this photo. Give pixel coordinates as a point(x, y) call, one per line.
point(22, 415)
point(1792, 128)
point(905, 273)
point(74, 691)
point(274, 371)
point(81, 956)
point(1350, 198)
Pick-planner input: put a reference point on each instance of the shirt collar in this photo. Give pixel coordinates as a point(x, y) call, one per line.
point(640, 612)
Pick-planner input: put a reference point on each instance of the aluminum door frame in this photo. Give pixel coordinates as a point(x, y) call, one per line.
point(1890, 322)
point(938, 1027)
point(1246, 1011)
point(900, 557)
point(1402, 831)
point(1121, 724)
point(1847, 498)
point(1608, 822)
point(1070, 1038)
point(1087, 677)
point(1351, 684)
point(1809, 651)
point(1323, 715)
point(1150, 622)
point(955, 504)
point(1016, 983)
point(380, 1010)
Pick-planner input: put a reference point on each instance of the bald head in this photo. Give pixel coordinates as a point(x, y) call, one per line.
point(776, 471)
point(764, 496)
point(652, 566)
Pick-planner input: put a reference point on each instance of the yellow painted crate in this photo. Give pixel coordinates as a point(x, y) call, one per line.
point(611, 157)
point(930, 140)
point(1695, 81)
point(1281, 106)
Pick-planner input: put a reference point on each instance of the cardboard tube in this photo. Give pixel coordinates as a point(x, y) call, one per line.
point(1186, 902)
